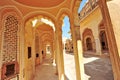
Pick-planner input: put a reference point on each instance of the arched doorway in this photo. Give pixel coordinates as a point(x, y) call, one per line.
point(39, 30)
point(67, 43)
point(88, 41)
point(89, 44)
point(103, 39)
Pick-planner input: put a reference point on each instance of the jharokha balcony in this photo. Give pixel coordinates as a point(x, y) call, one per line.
point(88, 8)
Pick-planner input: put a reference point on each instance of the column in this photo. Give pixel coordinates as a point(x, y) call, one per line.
point(78, 53)
point(59, 52)
point(55, 55)
point(98, 46)
point(33, 52)
point(51, 50)
point(40, 49)
point(22, 57)
point(44, 49)
point(114, 55)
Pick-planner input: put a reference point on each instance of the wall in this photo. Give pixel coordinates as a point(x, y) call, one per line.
point(92, 21)
point(114, 10)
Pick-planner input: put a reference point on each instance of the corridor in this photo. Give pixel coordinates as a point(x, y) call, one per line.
point(94, 69)
point(46, 71)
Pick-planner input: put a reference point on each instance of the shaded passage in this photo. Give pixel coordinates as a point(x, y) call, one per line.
point(46, 71)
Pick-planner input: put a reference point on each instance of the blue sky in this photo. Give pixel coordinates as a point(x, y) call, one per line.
point(66, 25)
point(81, 5)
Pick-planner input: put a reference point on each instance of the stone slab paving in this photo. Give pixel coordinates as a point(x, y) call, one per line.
point(96, 68)
point(69, 64)
point(46, 71)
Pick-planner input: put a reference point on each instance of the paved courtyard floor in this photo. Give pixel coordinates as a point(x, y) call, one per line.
point(96, 68)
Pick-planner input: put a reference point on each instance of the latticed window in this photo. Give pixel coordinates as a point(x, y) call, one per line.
point(10, 39)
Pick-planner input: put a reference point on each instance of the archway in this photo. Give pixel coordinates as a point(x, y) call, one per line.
point(67, 43)
point(68, 52)
point(88, 40)
point(103, 39)
point(48, 49)
point(39, 30)
point(77, 57)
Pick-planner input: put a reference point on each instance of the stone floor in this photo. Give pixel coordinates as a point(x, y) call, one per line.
point(96, 68)
point(69, 64)
point(46, 71)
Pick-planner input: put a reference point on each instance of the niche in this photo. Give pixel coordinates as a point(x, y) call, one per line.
point(37, 55)
point(29, 52)
point(10, 69)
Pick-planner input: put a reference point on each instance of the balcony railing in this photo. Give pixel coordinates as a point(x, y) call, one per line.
point(89, 6)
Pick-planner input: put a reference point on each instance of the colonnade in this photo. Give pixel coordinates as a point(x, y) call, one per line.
point(26, 34)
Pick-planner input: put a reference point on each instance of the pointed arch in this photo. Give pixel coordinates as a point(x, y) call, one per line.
point(88, 40)
point(65, 12)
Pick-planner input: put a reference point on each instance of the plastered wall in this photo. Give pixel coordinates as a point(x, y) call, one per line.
point(114, 10)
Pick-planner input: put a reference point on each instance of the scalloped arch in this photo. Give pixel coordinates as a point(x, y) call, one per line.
point(65, 12)
point(38, 15)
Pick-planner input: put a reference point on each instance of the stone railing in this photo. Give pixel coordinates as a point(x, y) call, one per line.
point(89, 6)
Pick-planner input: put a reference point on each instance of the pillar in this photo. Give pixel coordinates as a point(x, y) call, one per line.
point(40, 47)
point(59, 52)
point(77, 42)
point(98, 46)
point(51, 50)
point(21, 56)
point(114, 55)
point(78, 53)
point(44, 49)
point(55, 55)
point(33, 54)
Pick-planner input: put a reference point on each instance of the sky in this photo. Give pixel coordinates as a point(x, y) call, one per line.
point(66, 27)
point(66, 24)
point(82, 5)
